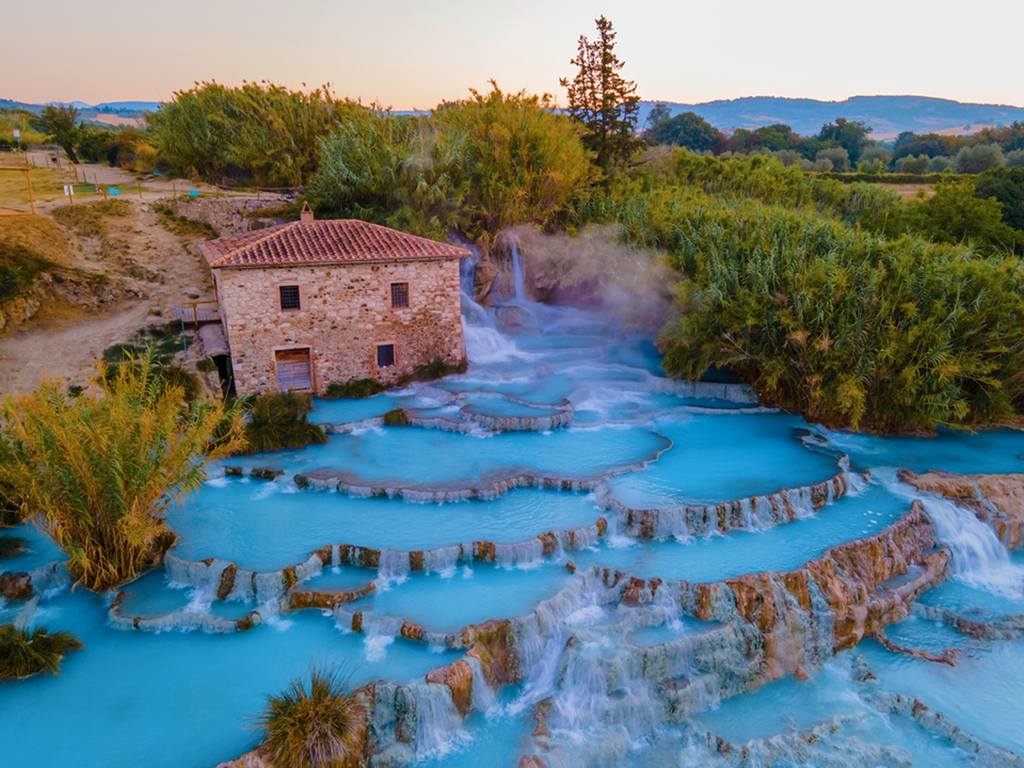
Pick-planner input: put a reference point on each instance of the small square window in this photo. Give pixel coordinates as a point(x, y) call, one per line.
point(385, 355)
point(399, 294)
point(289, 297)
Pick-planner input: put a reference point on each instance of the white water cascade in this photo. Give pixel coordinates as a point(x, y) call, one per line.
point(979, 558)
point(484, 342)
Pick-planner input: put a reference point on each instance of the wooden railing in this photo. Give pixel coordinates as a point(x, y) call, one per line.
point(196, 312)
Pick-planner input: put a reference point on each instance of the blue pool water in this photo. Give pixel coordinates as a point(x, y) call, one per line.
point(189, 698)
point(263, 525)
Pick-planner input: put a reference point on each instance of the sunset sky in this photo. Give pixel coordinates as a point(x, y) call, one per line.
point(414, 54)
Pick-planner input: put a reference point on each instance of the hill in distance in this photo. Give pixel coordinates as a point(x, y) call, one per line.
point(887, 115)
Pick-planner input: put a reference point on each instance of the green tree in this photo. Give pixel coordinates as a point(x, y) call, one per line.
point(1007, 186)
point(851, 135)
point(838, 156)
point(979, 158)
point(913, 164)
point(61, 124)
point(688, 130)
point(602, 100)
point(955, 214)
point(659, 113)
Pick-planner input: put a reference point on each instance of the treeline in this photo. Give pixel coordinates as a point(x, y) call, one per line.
point(257, 132)
point(829, 298)
point(476, 166)
point(845, 145)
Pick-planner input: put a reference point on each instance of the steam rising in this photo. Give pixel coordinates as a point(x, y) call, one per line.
point(595, 269)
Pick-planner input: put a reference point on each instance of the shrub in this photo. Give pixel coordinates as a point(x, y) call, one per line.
point(87, 219)
point(1007, 186)
point(979, 158)
point(940, 164)
point(100, 470)
point(358, 388)
point(838, 156)
point(318, 727)
point(913, 164)
point(1015, 159)
point(24, 653)
point(435, 369)
point(280, 421)
point(19, 266)
point(183, 225)
point(844, 326)
point(396, 417)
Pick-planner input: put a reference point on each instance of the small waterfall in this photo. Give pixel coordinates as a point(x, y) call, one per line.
point(393, 567)
point(442, 559)
point(335, 557)
point(483, 694)
point(519, 554)
point(518, 275)
point(438, 725)
point(978, 556)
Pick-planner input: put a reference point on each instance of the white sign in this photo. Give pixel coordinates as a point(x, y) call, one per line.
point(17, 134)
point(69, 190)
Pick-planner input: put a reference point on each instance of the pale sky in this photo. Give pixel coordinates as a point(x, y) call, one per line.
point(414, 54)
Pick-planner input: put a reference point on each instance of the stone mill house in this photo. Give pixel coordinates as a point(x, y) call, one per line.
point(311, 302)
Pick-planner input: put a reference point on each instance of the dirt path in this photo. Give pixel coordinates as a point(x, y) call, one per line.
point(158, 269)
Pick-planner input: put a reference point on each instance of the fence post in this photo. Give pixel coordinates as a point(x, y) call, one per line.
point(31, 196)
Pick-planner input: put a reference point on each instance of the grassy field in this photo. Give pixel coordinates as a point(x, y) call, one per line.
point(47, 184)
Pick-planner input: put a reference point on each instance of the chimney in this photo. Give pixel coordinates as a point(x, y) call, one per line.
point(307, 213)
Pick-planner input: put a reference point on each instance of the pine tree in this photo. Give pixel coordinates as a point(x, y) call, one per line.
point(605, 103)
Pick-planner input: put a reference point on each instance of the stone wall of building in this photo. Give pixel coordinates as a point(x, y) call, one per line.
point(345, 313)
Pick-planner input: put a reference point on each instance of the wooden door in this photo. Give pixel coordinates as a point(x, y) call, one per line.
point(294, 370)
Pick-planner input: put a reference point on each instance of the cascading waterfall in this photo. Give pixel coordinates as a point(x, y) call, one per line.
point(438, 725)
point(978, 556)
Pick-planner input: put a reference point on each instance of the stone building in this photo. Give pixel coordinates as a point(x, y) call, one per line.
point(312, 302)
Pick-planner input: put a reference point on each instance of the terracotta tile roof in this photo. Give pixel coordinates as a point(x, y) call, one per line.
point(324, 241)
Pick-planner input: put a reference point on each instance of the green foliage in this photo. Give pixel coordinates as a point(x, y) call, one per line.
point(604, 102)
point(955, 214)
point(979, 158)
point(765, 179)
point(511, 160)
point(158, 345)
point(913, 164)
point(121, 147)
point(19, 266)
point(478, 165)
point(24, 652)
point(280, 421)
point(87, 219)
point(99, 470)
point(24, 121)
point(837, 157)
point(688, 130)
point(61, 124)
point(435, 369)
point(844, 326)
point(851, 135)
point(1007, 186)
point(357, 388)
point(258, 131)
point(183, 225)
point(315, 727)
